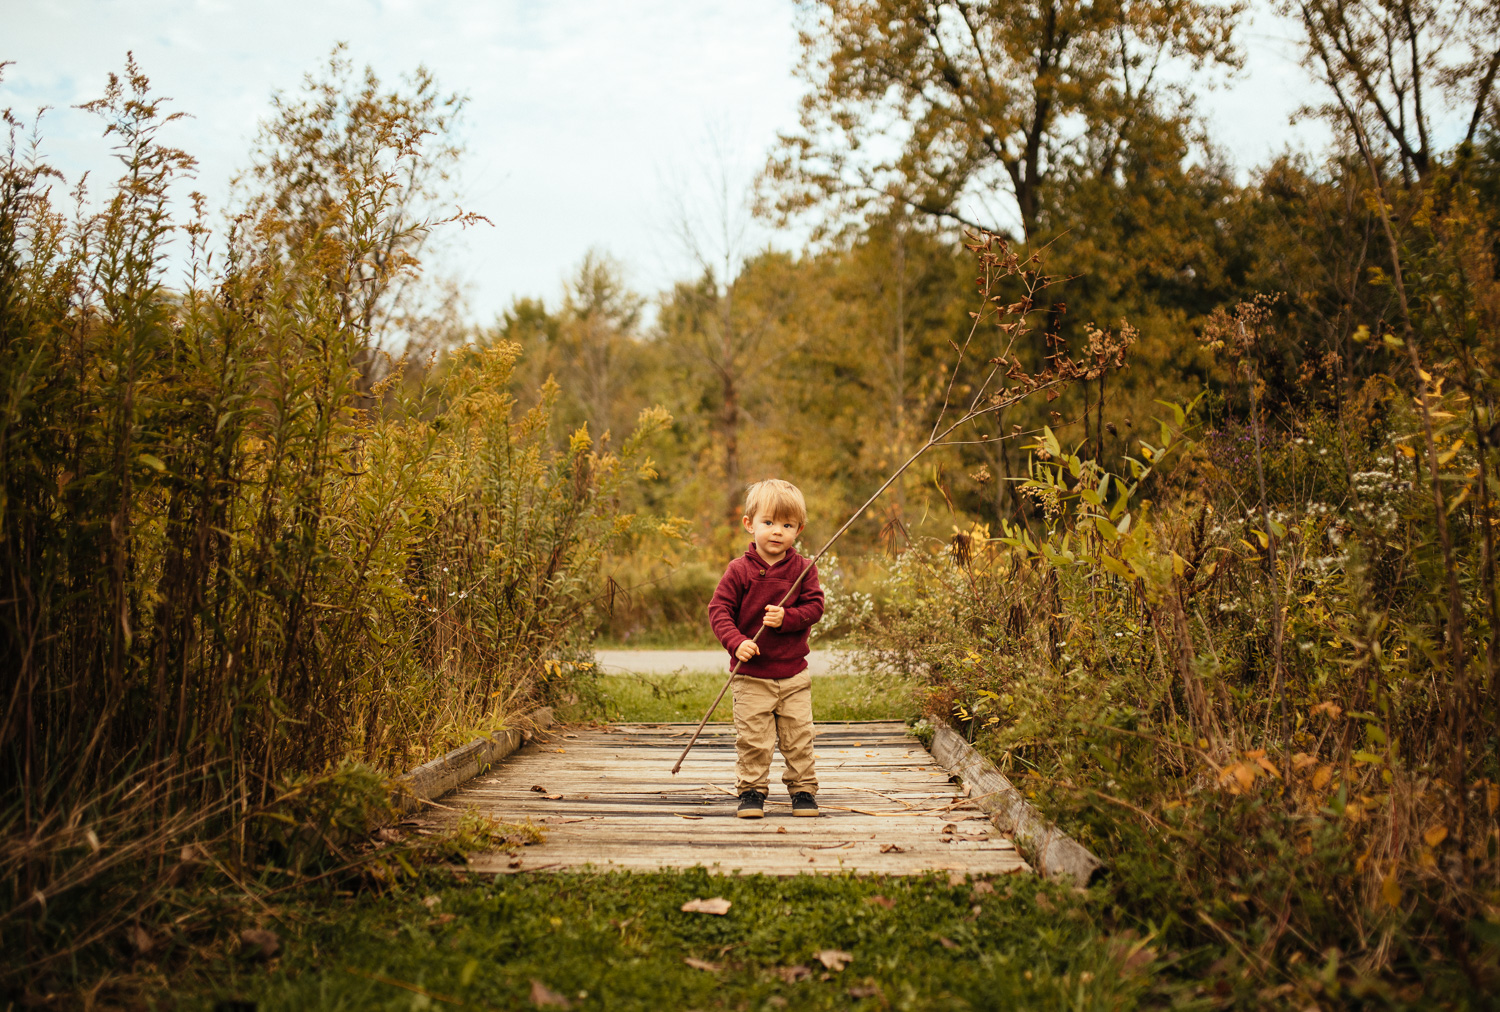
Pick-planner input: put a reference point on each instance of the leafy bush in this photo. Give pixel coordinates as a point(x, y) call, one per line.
point(1282, 797)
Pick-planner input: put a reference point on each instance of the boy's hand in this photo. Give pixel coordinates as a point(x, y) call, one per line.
point(747, 650)
point(774, 616)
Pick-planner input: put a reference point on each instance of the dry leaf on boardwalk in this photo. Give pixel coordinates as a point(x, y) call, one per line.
point(552, 797)
point(781, 829)
point(891, 848)
point(543, 996)
point(717, 905)
point(702, 964)
point(539, 788)
point(835, 959)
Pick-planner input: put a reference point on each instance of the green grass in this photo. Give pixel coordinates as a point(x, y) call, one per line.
point(618, 941)
point(685, 696)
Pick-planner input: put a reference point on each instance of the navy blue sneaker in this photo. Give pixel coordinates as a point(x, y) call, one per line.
point(752, 805)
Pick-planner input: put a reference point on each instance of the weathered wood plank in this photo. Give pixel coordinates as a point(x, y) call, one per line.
point(888, 808)
point(1053, 851)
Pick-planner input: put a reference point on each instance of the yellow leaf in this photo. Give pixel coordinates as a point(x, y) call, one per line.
point(1435, 835)
point(1321, 777)
point(1390, 890)
point(1239, 778)
point(1407, 450)
point(1179, 565)
point(1266, 765)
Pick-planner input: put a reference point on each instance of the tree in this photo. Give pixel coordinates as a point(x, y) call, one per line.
point(703, 317)
point(346, 135)
point(1401, 66)
point(982, 97)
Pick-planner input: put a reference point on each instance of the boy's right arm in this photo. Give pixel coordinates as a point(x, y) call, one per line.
point(722, 608)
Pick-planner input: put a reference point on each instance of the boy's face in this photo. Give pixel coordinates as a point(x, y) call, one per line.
point(772, 536)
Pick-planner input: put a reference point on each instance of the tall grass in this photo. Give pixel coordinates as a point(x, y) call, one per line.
point(237, 550)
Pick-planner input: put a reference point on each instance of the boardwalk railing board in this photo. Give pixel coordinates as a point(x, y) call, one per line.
point(1052, 852)
point(432, 780)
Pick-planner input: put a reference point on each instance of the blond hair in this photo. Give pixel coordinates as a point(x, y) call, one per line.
point(781, 499)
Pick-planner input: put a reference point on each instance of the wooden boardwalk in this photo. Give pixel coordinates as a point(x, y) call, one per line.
point(607, 800)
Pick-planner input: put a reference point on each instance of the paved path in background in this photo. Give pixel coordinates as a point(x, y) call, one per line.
point(665, 662)
point(607, 800)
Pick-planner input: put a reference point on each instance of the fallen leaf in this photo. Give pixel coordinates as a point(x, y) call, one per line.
point(956, 879)
point(792, 974)
point(702, 964)
point(552, 797)
point(1390, 890)
point(1435, 835)
point(140, 939)
point(260, 943)
point(539, 788)
point(681, 816)
point(1321, 777)
point(881, 901)
point(718, 905)
point(441, 919)
point(891, 848)
point(543, 996)
point(864, 991)
point(982, 888)
point(430, 902)
point(781, 829)
point(947, 943)
point(834, 959)
point(1042, 902)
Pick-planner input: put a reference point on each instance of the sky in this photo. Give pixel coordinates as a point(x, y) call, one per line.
point(587, 123)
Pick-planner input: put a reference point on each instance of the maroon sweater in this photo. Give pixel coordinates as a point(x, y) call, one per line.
point(739, 604)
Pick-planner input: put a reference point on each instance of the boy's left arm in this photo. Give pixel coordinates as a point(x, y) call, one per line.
point(809, 606)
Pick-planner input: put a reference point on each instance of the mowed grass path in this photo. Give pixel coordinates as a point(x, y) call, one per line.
point(621, 941)
point(684, 697)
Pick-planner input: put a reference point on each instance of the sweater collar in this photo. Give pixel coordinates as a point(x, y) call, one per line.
point(755, 557)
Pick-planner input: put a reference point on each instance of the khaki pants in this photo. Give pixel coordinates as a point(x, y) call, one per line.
point(772, 712)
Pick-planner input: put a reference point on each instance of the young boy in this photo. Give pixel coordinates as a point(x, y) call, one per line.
point(772, 689)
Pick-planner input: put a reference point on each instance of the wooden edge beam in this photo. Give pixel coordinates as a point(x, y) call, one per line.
point(433, 779)
point(1051, 852)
